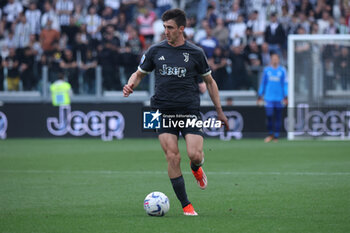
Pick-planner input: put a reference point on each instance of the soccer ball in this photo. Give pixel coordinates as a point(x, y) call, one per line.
point(156, 204)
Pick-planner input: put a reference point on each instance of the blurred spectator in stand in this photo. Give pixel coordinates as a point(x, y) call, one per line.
point(238, 31)
point(129, 7)
point(305, 7)
point(2, 24)
point(81, 42)
point(162, 6)
point(314, 28)
point(11, 63)
point(145, 22)
point(303, 62)
point(285, 18)
point(26, 69)
point(134, 40)
point(48, 36)
point(221, 33)
point(10, 40)
point(190, 28)
point(332, 27)
point(273, 6)
point(229, 101)
point(342, 68)
point(12, 10)
point(253, 57)
point(37, 52)
point(201, 33)
point(122, 23)
point(257, 26)
point(1, 75)
point(218, 64)
point(114, 4)
point(52, 60)
point(265, 54)
point(239, 75)
point(71, 31)
point(109, 59)
point(342, 27)
point(64, 10)
point(293, 25)
point(93, 27)
point(158, 30)
point(211, 16)
point(79, 15)
point(22, 32)
point(98, 5)
point(129, 60)
point(311, 16)
point(275, 35)
point(51, 15)
point(33, 16)
point(69, 67)
point(88, 66)
point(304, 22)
point(202, 9)
point(209, 43)
point(323, 23)
point(232, 16)
point(109, 17)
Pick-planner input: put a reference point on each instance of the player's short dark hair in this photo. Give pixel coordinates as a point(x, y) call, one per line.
point(179, 16)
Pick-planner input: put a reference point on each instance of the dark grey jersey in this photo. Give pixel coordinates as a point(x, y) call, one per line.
point(177, 70)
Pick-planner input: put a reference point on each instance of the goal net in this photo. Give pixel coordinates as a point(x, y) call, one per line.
point(319, 86)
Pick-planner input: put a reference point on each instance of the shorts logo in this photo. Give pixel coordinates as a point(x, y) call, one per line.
point(187, 57)
point(152, 120)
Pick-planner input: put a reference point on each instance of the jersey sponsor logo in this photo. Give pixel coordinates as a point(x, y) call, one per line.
point(187, 57)
point(161, 58)
point(168, 70)
point(274, 78)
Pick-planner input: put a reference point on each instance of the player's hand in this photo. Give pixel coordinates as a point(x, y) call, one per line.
point(259, 101)
point(128, 89)
point(285, 101)
point(223, 119)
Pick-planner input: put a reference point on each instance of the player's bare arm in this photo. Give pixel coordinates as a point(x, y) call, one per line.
point(133, 82)
point(214, 95)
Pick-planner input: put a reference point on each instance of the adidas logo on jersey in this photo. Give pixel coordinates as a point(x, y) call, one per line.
point(161, 58)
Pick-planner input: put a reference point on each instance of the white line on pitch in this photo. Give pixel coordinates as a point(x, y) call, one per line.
point(108, 172)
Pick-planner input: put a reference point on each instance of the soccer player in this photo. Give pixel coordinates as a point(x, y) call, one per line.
point(274, 90)
point(177, 64)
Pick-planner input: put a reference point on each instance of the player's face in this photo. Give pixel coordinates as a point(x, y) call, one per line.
point(275, 60)
point(172, 31)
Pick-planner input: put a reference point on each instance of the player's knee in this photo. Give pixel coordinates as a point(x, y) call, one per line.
point(173, 157)
point(196, 156)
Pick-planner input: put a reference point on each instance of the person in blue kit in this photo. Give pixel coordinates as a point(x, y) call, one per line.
point(273, 90)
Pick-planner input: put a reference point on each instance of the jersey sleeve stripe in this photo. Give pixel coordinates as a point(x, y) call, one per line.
point(205, 74)
point(143, 71)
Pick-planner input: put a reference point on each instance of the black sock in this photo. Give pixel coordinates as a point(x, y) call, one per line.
point(194, 167)
point(180, 190)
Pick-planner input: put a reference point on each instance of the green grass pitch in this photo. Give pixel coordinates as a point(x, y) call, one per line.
point(87, 185)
